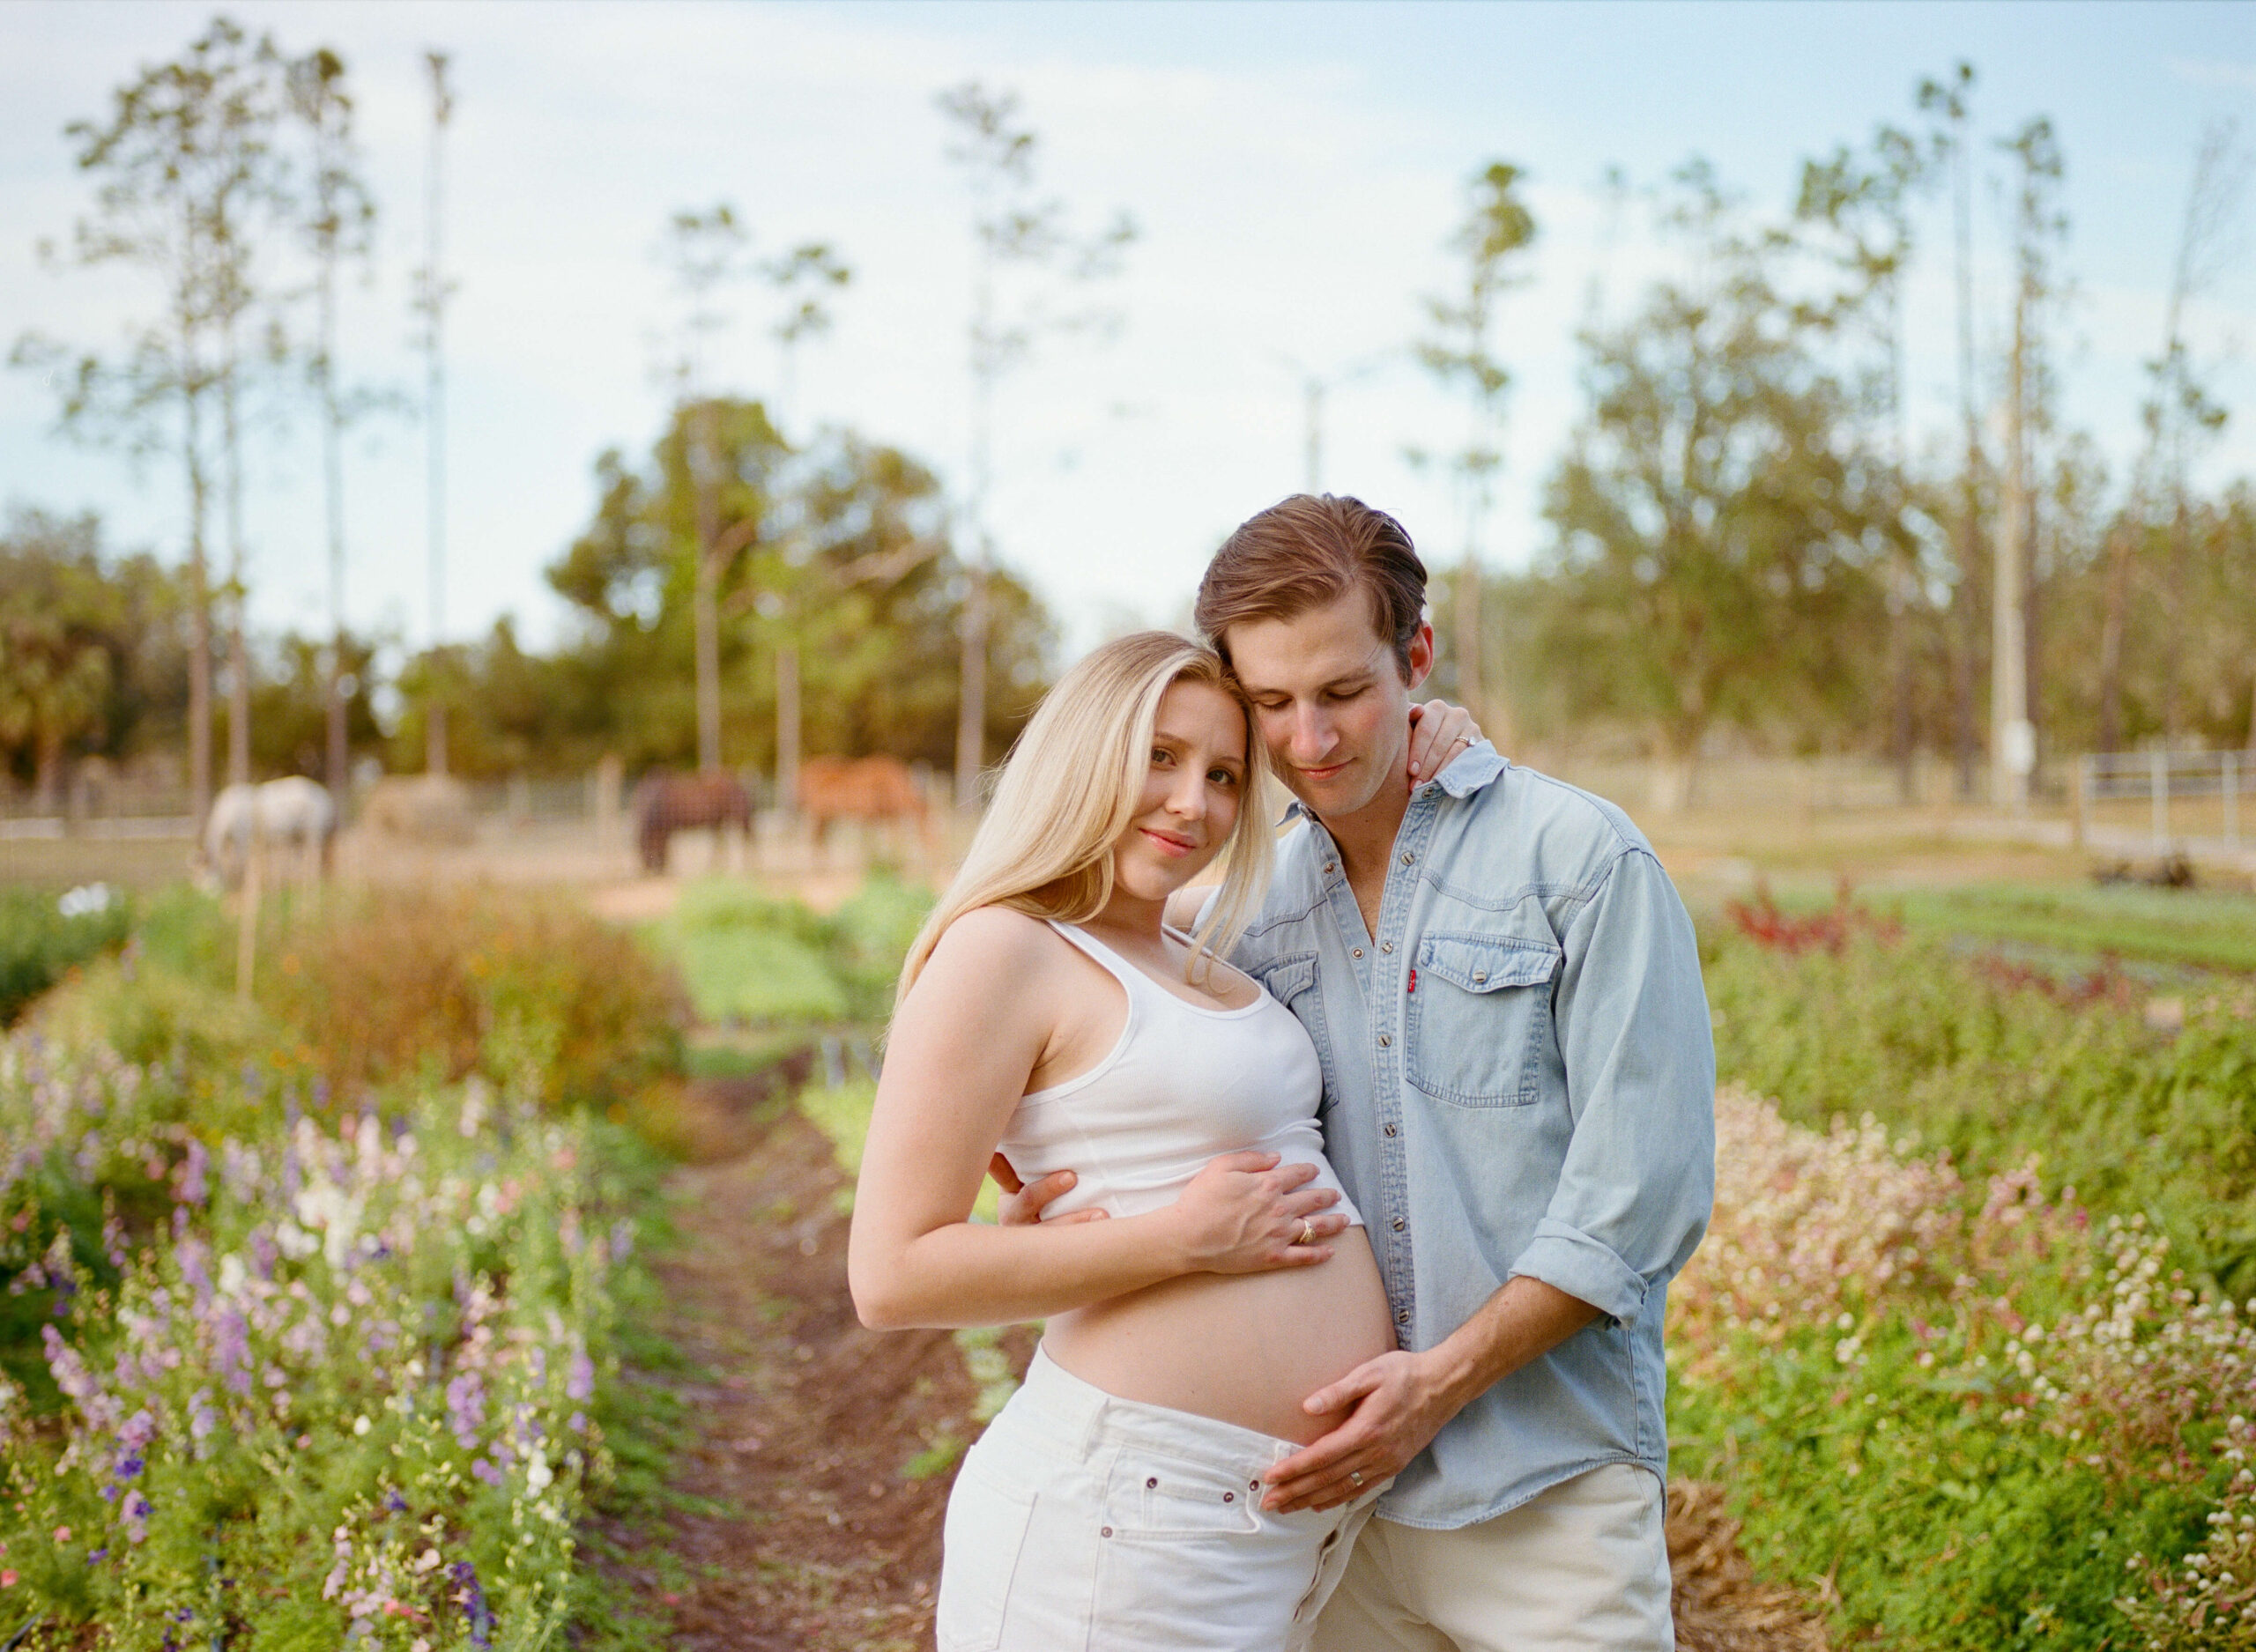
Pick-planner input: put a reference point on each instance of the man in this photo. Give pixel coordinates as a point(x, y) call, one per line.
point(1519, 1087)
point(1519, 1079)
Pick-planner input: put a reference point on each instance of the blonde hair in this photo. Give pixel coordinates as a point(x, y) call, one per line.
point(1071, 785)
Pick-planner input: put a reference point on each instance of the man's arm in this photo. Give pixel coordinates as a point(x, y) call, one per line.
point(1632, 1199)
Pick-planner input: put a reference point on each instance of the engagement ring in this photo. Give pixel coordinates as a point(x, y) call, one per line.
point(1308, 1232)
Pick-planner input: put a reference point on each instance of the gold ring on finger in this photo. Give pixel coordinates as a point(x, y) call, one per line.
point(1355, 1478)
point(1308, 1232)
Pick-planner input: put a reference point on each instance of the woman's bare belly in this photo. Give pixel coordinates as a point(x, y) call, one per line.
point(1243, 1348)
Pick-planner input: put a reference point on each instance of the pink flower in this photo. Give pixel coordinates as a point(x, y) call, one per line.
point(63, 1534)
point(7, 1579)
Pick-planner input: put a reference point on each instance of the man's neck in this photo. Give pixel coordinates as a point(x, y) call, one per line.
point(1366, 840)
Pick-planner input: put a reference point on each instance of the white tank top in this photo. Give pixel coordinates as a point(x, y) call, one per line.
point(1182, 1085)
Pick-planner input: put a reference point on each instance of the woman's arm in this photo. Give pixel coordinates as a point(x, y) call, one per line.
point(963, 1044)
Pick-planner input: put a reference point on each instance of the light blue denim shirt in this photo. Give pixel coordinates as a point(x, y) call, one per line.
point(1519, 1079)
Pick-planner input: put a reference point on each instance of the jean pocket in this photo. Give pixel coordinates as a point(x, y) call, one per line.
point(1477, 1022)
point(1185, 1564)
point(980, 1545)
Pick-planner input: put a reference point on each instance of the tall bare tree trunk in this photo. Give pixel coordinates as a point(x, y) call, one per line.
point(2181, 555)
point(971, 702)
point(199, 622)
point(788, 727)
point(2011, 738)
point(1903, 582)
point(332, 430)
point(238, 650)
point(2114, 618)
point(704, 465)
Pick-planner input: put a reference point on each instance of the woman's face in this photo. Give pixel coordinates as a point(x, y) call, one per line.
point(1192, 791)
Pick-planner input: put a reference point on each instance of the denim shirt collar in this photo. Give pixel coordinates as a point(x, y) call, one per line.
point(1473, 768)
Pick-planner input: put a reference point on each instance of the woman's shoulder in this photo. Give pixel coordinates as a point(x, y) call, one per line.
point(996, 939)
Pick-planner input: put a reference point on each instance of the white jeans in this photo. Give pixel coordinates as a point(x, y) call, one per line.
point(1580, 1567)
point(1081, 1523)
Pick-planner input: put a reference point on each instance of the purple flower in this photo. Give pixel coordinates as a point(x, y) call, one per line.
point(193, 1170)
point(465, 1407)
point(580, 1376)
point(473, 1602)
point(135, 1514)
point(231, 1349)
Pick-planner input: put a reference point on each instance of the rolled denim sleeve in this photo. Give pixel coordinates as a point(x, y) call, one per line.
point(1638, 1182)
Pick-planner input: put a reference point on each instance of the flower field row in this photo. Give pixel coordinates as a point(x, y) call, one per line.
point(1964, 1415)
point(273, 1377)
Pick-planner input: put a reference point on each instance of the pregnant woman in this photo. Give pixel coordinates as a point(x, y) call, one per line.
point(1207, 1273)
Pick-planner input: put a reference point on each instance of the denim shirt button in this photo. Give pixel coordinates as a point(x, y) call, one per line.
point(1390, 1130)
point(1409, 859)
point(1384, 1040)
point(1357, 951)
point(1399, 1223)
point(1331, 867)
point(1384, 946)
point(1402, 1318)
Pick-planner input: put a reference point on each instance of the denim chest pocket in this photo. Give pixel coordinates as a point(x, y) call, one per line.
point(1479, 1018)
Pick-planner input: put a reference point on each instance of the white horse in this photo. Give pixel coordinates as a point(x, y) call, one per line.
point(293, 815)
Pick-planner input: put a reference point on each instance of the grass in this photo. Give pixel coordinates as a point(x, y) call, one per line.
point(2211, 929)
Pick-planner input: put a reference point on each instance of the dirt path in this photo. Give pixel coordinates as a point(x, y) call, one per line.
point(810, 1525)
point(811, 1501)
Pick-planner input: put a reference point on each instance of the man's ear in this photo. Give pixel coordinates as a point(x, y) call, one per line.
point(1422, 654)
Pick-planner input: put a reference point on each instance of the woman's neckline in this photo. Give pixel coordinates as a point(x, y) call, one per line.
point(1223, 1011)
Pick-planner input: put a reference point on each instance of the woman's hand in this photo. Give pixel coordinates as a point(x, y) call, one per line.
point(1243, 1213)
point(1247, 1213)
point(1438, 732)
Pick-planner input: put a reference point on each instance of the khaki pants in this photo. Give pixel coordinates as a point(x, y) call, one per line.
point(1583, 1566)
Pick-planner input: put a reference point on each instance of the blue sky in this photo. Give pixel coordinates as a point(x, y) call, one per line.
point(1295, 170)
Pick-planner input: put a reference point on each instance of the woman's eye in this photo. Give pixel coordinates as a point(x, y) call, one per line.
point(1221, 777)
point(1161, 755)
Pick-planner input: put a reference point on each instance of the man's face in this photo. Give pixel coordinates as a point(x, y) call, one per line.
point(1330, 700)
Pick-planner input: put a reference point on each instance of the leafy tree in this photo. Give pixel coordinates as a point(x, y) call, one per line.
point(94, 650)
point(851, 567)
point(55, 669)
point(1713, 514)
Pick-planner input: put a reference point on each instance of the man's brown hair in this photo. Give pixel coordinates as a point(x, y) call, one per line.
point(1309, 550)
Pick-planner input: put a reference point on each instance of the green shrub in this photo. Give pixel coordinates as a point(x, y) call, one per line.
point(39, 941)
point(749, 957)
point(1994, 1064)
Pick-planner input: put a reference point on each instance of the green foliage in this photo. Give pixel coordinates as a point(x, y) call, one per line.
point(749, 957)
point(38, 942)
point(1965, 1057)
point(1713, 519)
point(841, 555)
point(2212, 930)
point(1967, 1361)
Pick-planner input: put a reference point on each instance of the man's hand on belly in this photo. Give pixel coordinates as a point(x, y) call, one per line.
point(1401, 1401)
point(1395, 1404)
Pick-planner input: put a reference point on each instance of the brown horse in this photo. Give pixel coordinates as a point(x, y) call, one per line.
point(665, 803)
point(870, 789)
